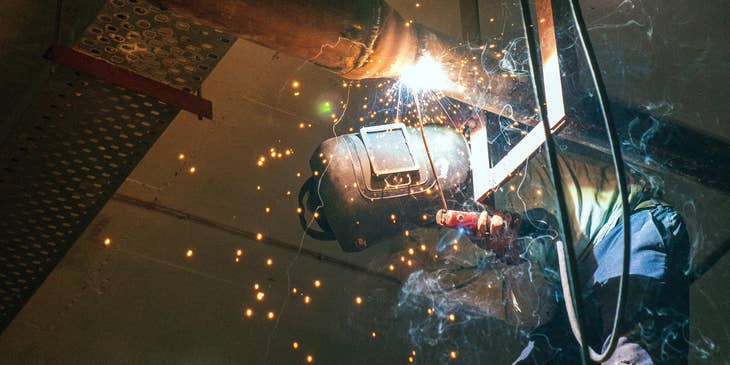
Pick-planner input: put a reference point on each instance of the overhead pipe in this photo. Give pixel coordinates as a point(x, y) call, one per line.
point(361, 39)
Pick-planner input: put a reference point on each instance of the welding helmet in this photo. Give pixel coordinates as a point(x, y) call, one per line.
point(377, 183)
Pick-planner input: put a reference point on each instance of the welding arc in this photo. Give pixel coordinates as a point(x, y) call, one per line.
point(428, 152)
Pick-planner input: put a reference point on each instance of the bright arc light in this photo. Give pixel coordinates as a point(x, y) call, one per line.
point(426, 74)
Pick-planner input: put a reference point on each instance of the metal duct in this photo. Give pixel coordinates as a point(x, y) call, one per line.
point(359, 39)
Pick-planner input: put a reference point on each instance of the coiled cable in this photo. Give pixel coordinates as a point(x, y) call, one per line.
point(565, 249)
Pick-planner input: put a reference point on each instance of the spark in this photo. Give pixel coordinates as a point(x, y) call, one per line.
point(107, 241)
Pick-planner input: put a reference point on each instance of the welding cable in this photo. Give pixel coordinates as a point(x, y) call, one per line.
point(428, 152)
point(566, 250)
point(569, 286)
point(309, 190)
point(618, 165)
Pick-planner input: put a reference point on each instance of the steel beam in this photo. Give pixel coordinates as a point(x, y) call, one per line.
point(129, 80)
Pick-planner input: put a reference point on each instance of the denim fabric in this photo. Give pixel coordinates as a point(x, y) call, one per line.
point(657, 302)
point(652, 238)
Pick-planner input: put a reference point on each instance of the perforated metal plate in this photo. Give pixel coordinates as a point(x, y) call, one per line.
point(158, 44)
point(82, 137)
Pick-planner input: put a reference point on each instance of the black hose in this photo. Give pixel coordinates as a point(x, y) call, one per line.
point(618, 165)
point(309, 189)
point(566, 251)
point(571, 302)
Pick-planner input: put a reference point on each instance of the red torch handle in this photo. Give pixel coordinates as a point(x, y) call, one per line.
point(477, 222)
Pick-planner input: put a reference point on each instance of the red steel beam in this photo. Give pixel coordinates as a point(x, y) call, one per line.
point(129, 80)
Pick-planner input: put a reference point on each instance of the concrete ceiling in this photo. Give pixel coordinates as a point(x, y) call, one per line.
point(142, 299)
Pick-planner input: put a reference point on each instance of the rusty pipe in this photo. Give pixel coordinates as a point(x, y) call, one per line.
point(359, 39)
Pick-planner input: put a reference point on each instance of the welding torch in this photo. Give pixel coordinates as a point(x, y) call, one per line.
point(476, 223)
point(497, 231)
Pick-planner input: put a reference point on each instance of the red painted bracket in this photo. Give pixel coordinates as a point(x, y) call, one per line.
point(129, 80)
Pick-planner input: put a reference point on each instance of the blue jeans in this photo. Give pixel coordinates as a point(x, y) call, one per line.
point(655, 319)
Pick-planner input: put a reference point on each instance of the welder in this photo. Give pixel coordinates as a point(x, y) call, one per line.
point(655, 317)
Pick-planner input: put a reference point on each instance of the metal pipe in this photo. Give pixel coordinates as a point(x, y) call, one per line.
point(367, 38)
point(360, 39)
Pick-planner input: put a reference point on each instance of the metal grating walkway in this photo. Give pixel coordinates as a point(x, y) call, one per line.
point(82, 137)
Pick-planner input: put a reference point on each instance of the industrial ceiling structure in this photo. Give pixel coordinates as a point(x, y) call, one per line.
point(151, 163)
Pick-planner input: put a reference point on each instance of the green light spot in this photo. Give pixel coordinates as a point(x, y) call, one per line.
point(324, 108)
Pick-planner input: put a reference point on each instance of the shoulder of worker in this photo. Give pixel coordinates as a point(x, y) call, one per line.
point(587, 167)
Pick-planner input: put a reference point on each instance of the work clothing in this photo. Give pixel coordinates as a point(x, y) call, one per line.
point(591, 195)
point(524, 291)
point(655, 318)
point(657, 304)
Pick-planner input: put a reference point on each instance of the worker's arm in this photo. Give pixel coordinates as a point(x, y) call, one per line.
point(519, 291)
